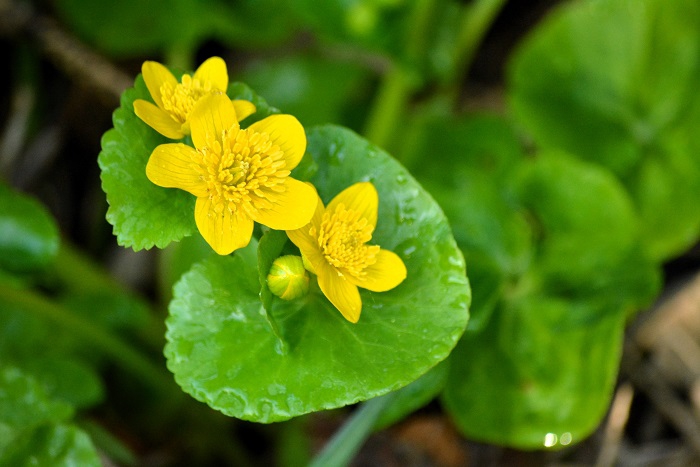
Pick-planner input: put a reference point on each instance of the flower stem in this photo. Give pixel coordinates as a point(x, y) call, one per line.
point(399, 82)
point(122, 353)
point(79, 273)
point(389, 103)
point(476, 19)
point(347, 441)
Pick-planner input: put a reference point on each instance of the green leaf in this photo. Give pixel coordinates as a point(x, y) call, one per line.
point(66, 379)
point(377, 26)
point(135, 28)
point(28, 233)
point(55, 445)
point(222, 351)
point(237, 90)
point(550, 352)
point(479, 156)
point(177, 259)
point(143, 214)
point(617, 86)
point(110, 309)
point(25, 405)
point(533, 371)
point(572, 200)
point(32, 429)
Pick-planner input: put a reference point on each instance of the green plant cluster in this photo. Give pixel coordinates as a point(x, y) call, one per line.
point(565, 208)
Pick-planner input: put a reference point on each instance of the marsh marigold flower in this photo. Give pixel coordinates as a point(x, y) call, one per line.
point(170, 116)
point(238, 175)
point(334, 247)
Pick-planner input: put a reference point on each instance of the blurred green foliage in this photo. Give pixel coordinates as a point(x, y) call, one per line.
point(565, 209)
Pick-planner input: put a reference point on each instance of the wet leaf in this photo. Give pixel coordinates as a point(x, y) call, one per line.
point(222, 351)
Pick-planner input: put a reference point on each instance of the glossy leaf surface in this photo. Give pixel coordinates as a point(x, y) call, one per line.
point(223, 351)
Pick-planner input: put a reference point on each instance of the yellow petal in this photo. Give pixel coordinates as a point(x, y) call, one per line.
point(307, 244)
point(341, 293)
point(225, 232)
point(213, 69)
point(155, 75)
point(212, 114)
point(243, 109)
point(388, 272)
point(361, 197)
point(158, 119)
point(171, 166)
point(291, 209)
point(286, 132)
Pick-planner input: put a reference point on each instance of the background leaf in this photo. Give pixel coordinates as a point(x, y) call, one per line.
point(594, 80)
point(545, 373)
point(550, 353)
point(28, 234)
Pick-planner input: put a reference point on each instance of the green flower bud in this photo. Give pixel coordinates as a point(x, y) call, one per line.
point(287, 278)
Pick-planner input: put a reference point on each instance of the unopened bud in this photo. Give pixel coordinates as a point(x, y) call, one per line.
point(287, 278)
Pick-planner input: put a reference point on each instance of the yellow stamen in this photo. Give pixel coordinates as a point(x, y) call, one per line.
point(342, 237)
point(242, 170)
point(180, 99)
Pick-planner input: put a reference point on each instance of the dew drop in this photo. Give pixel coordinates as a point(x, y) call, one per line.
point(276, 389)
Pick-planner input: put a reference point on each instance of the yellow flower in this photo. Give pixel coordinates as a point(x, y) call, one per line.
point(334, 247)
point(174, 101)
point(238, 175)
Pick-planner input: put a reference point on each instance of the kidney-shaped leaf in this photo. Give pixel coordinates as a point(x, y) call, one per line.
point(223, 352)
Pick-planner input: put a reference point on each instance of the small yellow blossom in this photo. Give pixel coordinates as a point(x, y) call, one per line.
point(238, 175)
point(334, 247)
point(174, 101)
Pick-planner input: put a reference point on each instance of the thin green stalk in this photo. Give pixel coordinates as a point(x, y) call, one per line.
point(477, 17)
point(393, 94)
point(347, 441)
point(180, 55)
point(419, 23)
point(120, 352)
point(79, 273)
point(400, 80)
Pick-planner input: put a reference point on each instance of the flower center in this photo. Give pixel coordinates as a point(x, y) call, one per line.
point(242, 170)
point(179, 100)
point(342, 237)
